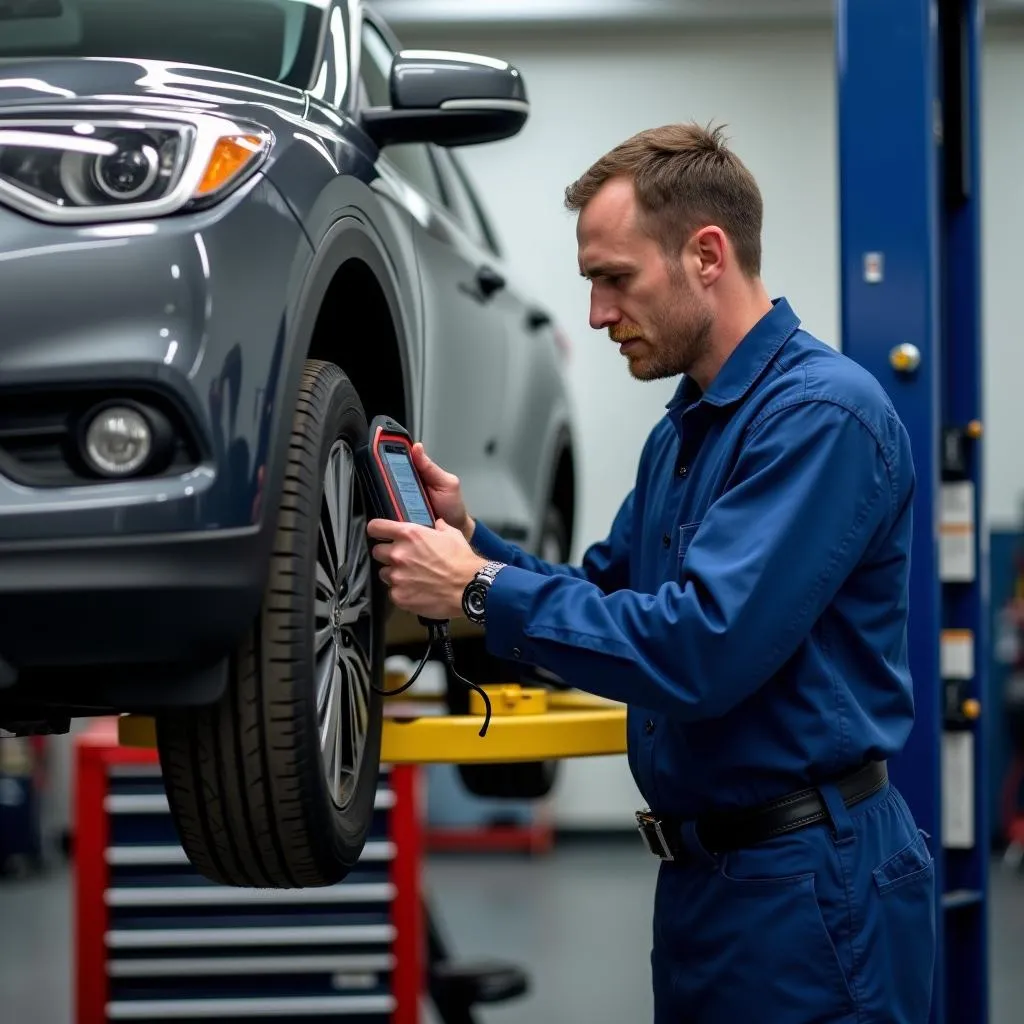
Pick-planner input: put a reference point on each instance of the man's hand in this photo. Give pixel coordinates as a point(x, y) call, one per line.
point(444, 492)
point(426, 570)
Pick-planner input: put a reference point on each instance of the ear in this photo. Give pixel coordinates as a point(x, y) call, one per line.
point(710, 249)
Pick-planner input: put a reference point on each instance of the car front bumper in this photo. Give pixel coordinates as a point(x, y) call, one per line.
point(156, 600)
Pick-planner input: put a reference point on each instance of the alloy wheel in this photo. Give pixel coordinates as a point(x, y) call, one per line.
point(344, 625)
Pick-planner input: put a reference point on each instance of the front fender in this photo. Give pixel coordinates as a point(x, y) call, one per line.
point(349, 237)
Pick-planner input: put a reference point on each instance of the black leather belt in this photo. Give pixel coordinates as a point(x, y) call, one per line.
point(734, 830)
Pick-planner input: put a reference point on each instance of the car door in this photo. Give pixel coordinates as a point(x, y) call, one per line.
point(464, 343)
point(528, 374)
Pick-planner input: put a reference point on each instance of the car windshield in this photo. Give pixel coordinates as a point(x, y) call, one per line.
point(274, 39)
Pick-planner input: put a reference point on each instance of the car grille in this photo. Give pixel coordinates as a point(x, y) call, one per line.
point(39, 436)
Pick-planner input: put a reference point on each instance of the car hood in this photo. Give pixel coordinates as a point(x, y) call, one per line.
point(109, 82)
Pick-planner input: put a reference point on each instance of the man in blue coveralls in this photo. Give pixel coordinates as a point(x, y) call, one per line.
point(749, 605)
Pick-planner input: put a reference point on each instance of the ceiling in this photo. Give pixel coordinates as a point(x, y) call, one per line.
point(634, 13)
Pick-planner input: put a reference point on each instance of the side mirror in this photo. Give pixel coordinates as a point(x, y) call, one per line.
point(451, 99)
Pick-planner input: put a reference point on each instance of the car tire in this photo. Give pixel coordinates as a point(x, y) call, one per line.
point(257, 799)
point(522, 780)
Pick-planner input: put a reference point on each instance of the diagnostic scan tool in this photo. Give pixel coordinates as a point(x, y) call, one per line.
point(390, 475)
point(394, 491)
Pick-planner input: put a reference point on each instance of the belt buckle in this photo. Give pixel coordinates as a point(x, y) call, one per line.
point(653, 835)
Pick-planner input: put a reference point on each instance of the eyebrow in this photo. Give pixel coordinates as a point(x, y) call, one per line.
point(606, 270)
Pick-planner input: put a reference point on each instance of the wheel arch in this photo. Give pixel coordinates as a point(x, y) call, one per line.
point(374, 360)
point(350, 255)
point(352, 315)
point(564, 487)
point(556, 479)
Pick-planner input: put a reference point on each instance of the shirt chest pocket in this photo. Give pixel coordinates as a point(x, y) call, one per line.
point(686, 535)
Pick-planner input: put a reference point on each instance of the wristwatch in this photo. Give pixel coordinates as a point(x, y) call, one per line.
point(474, 597)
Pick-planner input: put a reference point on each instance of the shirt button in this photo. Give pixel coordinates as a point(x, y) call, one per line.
point(648, 727)
point(516, 653)
point(666, 540)
point(683, 470)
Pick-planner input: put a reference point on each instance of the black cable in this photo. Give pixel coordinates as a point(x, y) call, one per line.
point(412, 679)
point(438, 632)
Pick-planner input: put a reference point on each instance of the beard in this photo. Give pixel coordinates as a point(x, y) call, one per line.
point(677, 337)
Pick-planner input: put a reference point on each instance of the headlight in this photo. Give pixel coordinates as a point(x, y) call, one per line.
point(103, 170)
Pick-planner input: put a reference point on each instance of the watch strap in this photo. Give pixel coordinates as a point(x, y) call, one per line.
point(489, 571)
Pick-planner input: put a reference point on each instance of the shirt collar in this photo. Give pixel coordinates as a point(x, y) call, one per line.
point(746, 363)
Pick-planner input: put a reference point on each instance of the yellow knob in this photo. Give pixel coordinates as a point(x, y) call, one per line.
point(510, 699)
point(905, 358)
point(974, 429)
point(971, 708)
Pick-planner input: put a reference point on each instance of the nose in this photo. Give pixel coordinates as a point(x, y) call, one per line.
point(603, 314)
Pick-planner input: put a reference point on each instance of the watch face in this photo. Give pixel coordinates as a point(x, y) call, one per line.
point(476, 600)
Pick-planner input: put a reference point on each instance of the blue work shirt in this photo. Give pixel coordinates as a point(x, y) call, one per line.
point(750, 602)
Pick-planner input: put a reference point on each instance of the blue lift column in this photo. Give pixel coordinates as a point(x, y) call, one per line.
point(911, 313)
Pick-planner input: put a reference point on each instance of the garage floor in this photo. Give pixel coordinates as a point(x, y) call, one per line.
point(577, 921)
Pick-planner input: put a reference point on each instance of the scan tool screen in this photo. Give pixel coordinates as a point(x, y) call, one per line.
point(409, 492)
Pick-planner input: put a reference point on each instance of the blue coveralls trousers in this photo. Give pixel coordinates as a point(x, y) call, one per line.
point(830, 925)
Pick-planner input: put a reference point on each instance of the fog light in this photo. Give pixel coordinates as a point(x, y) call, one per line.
point(118, 441)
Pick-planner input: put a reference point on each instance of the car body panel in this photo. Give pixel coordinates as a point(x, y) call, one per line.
point(114, 82)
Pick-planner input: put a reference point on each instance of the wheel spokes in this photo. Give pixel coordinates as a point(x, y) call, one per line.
point(325, 679)
point(323, 590)
point(344, 493)
point(324, 582)
point(324, 635)
point(331, 514)
point(357, 599)
point(359, 565)
point(331, 720)
point(355, 666)
point(343, 627)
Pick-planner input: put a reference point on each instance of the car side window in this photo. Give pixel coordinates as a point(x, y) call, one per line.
point(486, 228)
point(413, 161)
point(464, 203)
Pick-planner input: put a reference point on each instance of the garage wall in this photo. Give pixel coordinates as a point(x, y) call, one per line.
point(1003, 234)
point(775, 89)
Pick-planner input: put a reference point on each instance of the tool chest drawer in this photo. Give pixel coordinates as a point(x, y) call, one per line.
point(156, 941)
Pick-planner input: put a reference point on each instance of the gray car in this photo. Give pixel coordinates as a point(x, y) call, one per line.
point(231, 233)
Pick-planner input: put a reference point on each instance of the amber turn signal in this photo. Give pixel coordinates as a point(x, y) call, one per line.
point(230, 157)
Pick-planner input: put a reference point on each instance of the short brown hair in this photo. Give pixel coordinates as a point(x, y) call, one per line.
point(685, 178)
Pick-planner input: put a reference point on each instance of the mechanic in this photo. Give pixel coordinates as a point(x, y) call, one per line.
point(749, 605)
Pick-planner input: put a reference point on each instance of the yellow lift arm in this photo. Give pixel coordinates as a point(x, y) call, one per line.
point(527, 724)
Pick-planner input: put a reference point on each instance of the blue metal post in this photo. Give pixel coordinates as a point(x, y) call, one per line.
point(910, 274)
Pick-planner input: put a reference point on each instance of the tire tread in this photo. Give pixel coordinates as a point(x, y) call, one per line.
point(241, 775)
